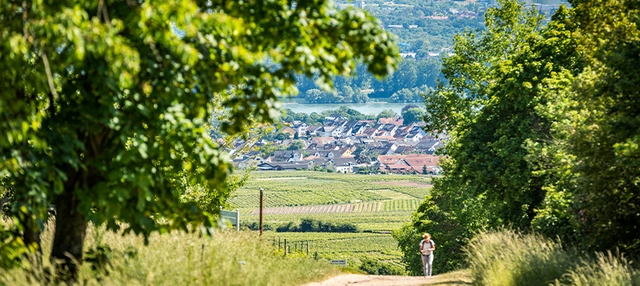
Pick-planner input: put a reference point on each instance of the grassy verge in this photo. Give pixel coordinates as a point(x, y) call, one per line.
point(507, 258)
point(228, 258)
point(460, 277)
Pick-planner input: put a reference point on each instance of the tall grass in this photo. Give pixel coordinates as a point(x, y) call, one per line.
point(507, 258)
point(177, 258)
point(605, 269)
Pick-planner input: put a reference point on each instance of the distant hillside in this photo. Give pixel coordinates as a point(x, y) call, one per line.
point(425, 31)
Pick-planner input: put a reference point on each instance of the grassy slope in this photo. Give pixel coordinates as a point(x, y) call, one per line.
point(229, 258)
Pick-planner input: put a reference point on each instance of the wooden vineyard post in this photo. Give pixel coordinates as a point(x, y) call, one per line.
point(285, 247)
point(278, 244)
point(261, 210)
point(307, 248)
point(237, 219)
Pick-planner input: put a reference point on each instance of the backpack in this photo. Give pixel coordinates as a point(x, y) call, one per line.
point(424, 249)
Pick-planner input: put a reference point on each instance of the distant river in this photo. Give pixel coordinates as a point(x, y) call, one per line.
point(372, 108)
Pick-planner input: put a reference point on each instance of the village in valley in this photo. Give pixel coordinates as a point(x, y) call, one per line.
point(341, 145)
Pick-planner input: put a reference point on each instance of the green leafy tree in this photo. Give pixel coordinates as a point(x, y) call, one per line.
point(313, 95)
point(386, 114)
point(296, 145)
point(104, 104)
point(342, 94)
point(349, 113)
point(412, 115)
point(500, 82)
point(282, 136)
point(606, 136)
point(408, 106)
point(403, 95)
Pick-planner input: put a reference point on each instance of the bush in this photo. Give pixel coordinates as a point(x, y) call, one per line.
point(375, 267)
point(508, 258)
point(255, 226)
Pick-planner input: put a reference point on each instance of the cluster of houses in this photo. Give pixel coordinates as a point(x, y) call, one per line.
point(339, 145)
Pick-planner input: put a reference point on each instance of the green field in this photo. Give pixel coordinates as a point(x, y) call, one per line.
point(376, 204)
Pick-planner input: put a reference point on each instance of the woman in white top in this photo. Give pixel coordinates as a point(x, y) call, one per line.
point(427, 246)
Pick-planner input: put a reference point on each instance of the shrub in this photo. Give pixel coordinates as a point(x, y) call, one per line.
point(255, 226)
point(375, 267)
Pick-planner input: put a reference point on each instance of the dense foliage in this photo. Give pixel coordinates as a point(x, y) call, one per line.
point(412, 115)
point(104, 114)
point(543, 131)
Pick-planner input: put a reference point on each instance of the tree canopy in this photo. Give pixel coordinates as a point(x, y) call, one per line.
point(386, 113)
point(412, 115)
point(104, 104)
point(543, 131)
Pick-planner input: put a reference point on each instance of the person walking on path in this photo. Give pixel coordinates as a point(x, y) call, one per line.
point(427, 246)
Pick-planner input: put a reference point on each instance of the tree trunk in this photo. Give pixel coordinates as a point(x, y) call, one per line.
point(31, 235)
point(71, 228)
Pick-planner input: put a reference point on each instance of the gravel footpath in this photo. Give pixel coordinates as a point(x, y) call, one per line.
point(449, 279)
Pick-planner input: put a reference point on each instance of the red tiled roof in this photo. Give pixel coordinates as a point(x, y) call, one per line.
point(415, 160)
point(427, 160)
point(390, 159)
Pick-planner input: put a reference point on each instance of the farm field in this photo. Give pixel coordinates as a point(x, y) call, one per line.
point(376, 204)
point(354, 247)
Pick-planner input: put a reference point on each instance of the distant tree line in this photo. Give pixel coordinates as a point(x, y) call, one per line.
point(311, 225)
point(407, 84)
point(315, 118)
point(411, 113)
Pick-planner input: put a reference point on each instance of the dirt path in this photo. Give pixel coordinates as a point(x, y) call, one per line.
point(449, 279)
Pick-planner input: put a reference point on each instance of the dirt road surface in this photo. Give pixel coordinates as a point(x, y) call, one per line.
point(449, 279)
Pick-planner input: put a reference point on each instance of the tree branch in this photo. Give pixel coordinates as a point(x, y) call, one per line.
point(52, 90)
point(25, 33)
point(102, 9)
